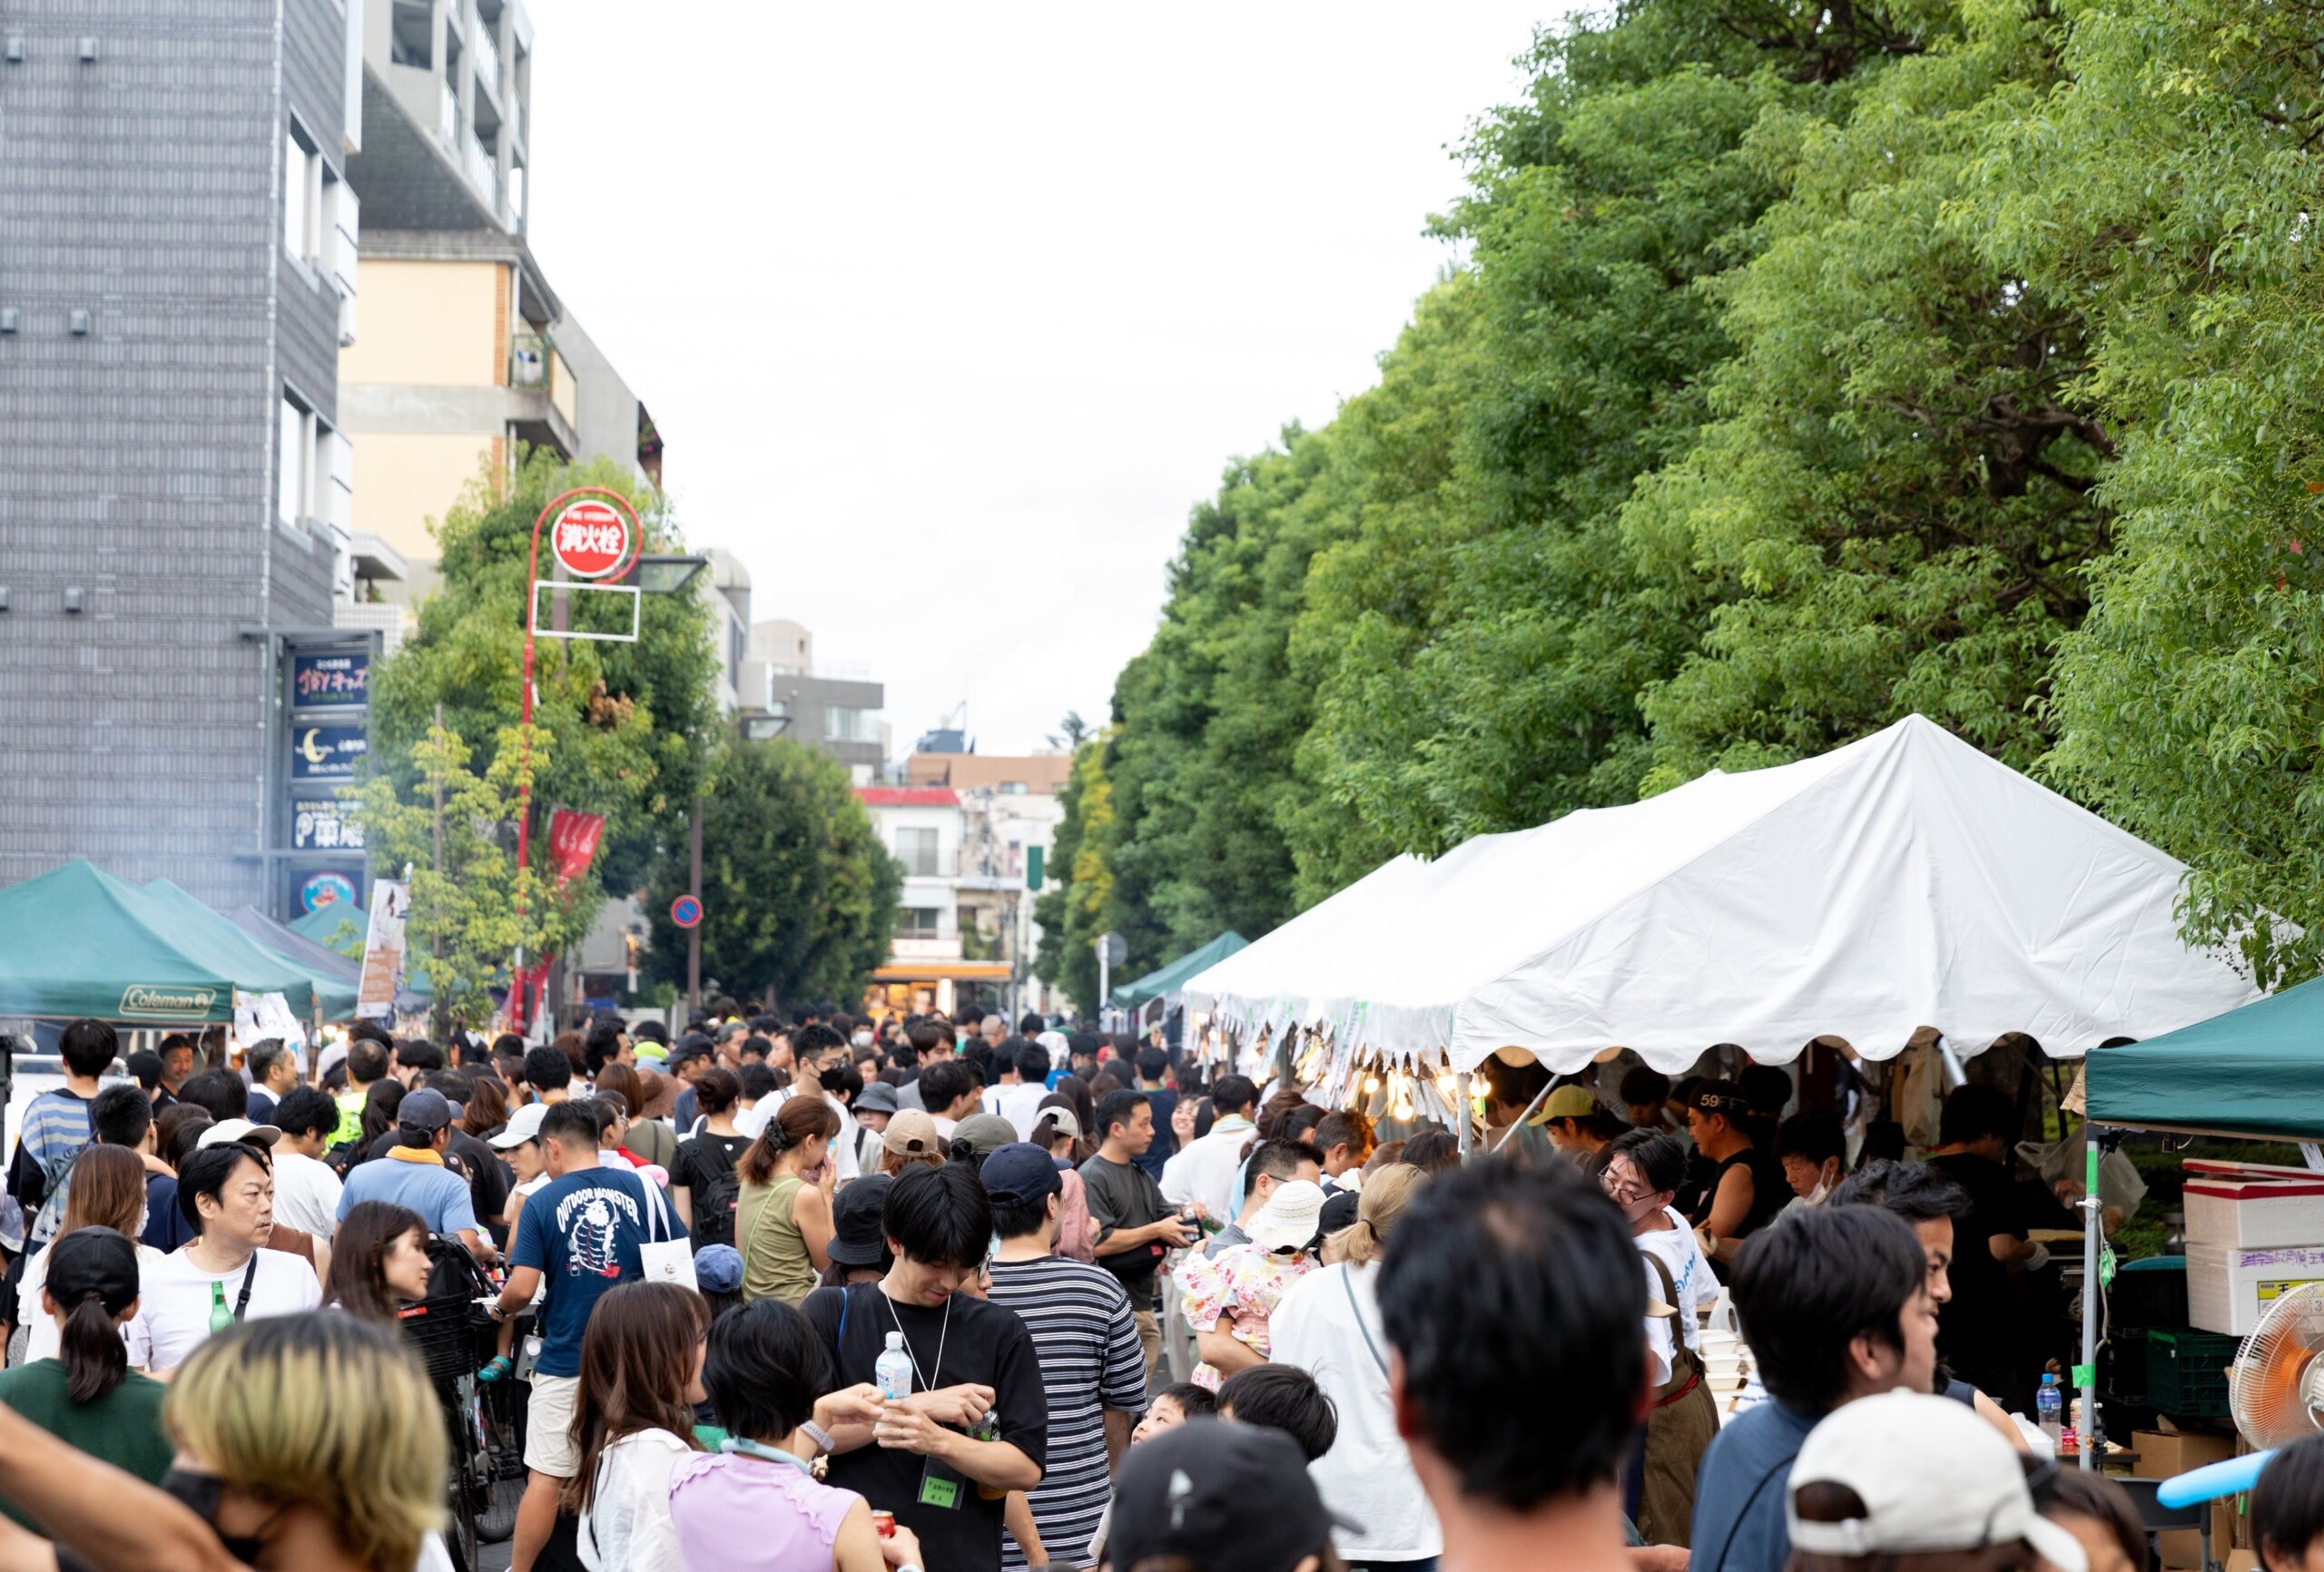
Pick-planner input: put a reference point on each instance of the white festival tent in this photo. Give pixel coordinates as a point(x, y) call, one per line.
point(1905, 880)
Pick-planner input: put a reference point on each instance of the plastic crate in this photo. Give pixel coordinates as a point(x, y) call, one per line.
point(2186, 1371)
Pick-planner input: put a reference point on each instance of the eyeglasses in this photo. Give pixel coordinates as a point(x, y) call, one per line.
point(1620, 1190)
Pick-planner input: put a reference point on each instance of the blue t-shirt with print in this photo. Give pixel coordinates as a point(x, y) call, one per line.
point(583, 1232)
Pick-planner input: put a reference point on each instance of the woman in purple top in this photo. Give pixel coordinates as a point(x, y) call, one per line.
point(755, 1505)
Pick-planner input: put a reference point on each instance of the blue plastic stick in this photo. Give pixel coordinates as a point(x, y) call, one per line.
point(2213, 1480)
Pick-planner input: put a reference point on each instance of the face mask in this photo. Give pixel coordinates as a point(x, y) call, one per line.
point(199, 1492)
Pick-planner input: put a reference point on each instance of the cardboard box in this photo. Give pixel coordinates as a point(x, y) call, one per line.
point(2165, 1454)
point(2182, 1550)
point(2243, 1560)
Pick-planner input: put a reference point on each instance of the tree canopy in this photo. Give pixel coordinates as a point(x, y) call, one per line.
point(1806, 366)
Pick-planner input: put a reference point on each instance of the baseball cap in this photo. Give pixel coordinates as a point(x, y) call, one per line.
point(1567, 1102)
point(879, 1098)
point(1061, 1120)
point(718, 1269)
point(1932, 1476)
point(911, 1134)
point(93, 1260)
point(1290, 1216)
point(227, 1130)
point(859, 1234)
point(524, 1125)
point(985, 1133)
point(425, 1109)
point(1228, 1497)
point(1018, 1174)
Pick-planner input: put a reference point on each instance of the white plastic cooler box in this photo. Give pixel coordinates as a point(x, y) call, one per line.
point(2251, 1209)
point(2230, 1287)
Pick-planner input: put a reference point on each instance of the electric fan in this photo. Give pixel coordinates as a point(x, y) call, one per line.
point(2275, 1391)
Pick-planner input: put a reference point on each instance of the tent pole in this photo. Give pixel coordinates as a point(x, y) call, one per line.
point(1460, 1086)
point(1517, 1124)
point(2093, 1226)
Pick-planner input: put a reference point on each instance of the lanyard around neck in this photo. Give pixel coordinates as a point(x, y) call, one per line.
point(749, 1449)
point(927, 1383)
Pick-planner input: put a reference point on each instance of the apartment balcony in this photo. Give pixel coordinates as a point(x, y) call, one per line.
point(447, 115)
point(477, 163)
point(487, 61)
point(392, 622)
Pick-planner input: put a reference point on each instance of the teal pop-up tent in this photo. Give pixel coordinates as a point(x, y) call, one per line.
point(78, 941)
point(1167, 981)
point(2255, 1072)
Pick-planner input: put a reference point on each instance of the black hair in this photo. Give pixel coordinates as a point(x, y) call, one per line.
point(1550, 1300)
point(1810, 1283)
point(205, 1172)
point(547, 1069)
point(1032, 1063)
point(145, 1066)
point(944, 1083)
point(1912, 1191)
point(1081, 1046)
point(1766, 1087)
point(2288, 1503)
point(1233, 1095)
point(220, 1095)
point(89, 1342)
point(1031, 1024)
point(1194, 1402)
point(418, 1054)
point(306, 1108)
point(1972, 1113)
point(1645, 1084)
point(759, 1081)
point(1348, 1127)
point(1817, 1137)
point(764, 1368)
point(1283, 1397)
point(939, 1216)
point(1280, 1158)
point(262, 1056)
point(1016, 1222)
point(1151, 1062)
point(120, 1116)
point(1655, 1154)
point(718, 1090)
point(604, 1042)
point(1296, 1125)
point(89, 1046)
point(1113, 1108)
point(369, 1031)
point(1515, 1086)
point(977, 1054)
point(1432, 1152)
point(367, 1057)
point(568, 1122)
point(809, 1041)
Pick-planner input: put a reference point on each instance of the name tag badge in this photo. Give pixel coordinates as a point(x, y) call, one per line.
point(938, 1491)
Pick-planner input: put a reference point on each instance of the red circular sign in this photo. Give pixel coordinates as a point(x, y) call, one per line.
point(593, 538)
point(685, 911)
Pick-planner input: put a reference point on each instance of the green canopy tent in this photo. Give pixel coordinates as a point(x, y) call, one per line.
point(335, 976)
point(2257, 1071)
point(338, 928)
point(203, 929)
point(78, 941)
point(1170, 979)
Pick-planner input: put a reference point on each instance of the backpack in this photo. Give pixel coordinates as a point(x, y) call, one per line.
point(713, 1209)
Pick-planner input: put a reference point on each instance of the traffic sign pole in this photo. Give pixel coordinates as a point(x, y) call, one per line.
point(694, 929)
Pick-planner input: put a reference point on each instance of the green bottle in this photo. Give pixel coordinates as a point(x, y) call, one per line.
point(220, 1318)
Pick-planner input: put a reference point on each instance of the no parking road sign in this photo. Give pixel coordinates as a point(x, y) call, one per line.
point(686, 911)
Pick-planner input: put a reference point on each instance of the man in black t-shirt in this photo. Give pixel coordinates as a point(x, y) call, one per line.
point(1137, 1228)
point(1973, 1149)
point(976, 1425)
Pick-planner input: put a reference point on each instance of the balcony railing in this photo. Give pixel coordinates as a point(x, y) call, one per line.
point(447, 115)
point(488, 58)
point(481, 172)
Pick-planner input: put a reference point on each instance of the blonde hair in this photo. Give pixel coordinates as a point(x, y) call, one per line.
point(1378, 1205)
point(326, 1409)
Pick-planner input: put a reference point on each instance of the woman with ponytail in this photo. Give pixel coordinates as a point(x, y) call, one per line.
point(782, 1219)
point(108, 1190)
point(87, 1396)
point(1328, 1325)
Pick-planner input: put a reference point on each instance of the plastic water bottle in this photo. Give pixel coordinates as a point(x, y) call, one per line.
point(2049, 1407)
point(893, 1370)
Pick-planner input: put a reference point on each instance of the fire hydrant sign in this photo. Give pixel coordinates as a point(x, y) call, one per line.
point(592, 538)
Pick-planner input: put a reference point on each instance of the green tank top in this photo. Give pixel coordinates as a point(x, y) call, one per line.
point(775, 1262)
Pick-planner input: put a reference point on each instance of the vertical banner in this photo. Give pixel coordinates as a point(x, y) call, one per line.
point(375, 996)
point(573, 843)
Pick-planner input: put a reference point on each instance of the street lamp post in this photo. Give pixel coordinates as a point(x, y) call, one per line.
point(597, 537)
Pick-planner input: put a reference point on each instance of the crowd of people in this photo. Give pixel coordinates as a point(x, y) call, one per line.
point(804, 1293)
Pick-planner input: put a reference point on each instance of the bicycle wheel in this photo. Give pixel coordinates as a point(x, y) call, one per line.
point(463, 1496)
point(500, 1461)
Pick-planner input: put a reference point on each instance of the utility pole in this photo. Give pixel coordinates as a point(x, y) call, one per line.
point(443, 1023)
point(693, 934)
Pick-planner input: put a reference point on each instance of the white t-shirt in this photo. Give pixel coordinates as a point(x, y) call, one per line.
point(1018, 1105)
point(306, 1194)
point(1204, 1170)
point(175, 1316)
point(41, 1340)
point(628, 1526)
point(1367, 1476)
point(1690, 1273)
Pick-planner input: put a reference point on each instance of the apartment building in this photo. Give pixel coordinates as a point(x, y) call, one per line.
point(177, 243)
point(785, 696)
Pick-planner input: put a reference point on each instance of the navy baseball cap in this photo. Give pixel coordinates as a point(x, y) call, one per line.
point(1230, 1498)
point(1019, 1174)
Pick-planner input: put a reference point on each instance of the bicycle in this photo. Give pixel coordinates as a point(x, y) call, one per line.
point(454, 1334)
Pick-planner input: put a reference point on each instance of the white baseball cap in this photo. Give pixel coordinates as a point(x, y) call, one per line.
point(227, 1130)
point(1932, 1476)
point(524, 1125)
point(1290, 1216)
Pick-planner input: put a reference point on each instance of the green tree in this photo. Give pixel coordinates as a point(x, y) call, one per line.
point(1074, 911)
point(471, 910)
point(630, 724)
point(799, 892)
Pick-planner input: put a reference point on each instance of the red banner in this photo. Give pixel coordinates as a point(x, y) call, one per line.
point(573, 843)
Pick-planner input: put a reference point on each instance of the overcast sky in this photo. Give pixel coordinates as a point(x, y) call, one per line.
point(948, 313)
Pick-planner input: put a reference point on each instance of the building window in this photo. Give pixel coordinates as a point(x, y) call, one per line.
point(1012, 788)
point(306, 465)
point(921, 921)
point(916, 850)
point(413, 34)
point(302, 182)
point(842, 724)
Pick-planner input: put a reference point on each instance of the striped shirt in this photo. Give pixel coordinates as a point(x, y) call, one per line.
point(56, 1130)
point(1091, 1361)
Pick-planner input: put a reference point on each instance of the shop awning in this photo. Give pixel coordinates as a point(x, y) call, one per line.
point(913, 971)
point(1171, 978)
point(1905, 880)
point(2258, 1071)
